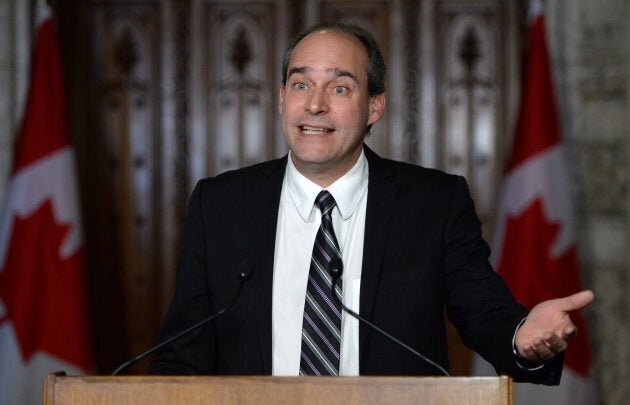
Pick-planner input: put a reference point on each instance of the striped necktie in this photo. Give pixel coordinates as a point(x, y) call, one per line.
point(321, 326)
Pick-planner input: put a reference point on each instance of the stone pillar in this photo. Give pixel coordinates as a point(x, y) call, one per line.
point(15, 46)
point(590, 47)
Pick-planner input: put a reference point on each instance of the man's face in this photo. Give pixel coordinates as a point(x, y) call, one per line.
point(325, 106)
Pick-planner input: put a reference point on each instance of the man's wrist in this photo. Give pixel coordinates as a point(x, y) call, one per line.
point(521, 361)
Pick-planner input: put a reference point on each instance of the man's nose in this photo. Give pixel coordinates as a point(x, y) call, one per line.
point(317, 103)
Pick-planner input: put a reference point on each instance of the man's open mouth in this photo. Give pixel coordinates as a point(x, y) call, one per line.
point(308, 130)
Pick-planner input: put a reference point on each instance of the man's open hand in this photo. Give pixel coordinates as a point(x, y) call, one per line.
point(548, 328)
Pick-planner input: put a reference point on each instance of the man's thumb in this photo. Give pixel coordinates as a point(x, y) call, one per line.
point(576, 301)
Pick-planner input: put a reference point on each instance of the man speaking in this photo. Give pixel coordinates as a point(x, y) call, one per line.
point(402, 243)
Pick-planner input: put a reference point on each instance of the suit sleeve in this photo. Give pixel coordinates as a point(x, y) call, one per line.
point(479, 303)
point(193, 353)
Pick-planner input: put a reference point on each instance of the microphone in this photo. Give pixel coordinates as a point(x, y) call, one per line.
point(243, 277)
point(336, 269)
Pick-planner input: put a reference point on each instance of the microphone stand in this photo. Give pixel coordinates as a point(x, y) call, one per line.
point(243, 277)
point(336, 274)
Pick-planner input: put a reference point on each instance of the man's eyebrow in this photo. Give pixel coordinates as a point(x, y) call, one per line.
point(345, 73)
point(337, 72)
point(298, 69)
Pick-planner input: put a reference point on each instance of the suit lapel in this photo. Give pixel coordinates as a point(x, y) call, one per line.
point(382, 193)
point(265, 201)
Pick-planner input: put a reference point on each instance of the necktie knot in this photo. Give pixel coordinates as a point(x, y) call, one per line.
point(325, 202)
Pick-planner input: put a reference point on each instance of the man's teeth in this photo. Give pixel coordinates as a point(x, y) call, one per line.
point(314, 130)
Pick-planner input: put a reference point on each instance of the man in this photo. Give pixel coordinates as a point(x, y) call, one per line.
point(406, 237)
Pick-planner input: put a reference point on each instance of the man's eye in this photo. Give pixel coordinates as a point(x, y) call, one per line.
point(340, 90)
point(299, 86)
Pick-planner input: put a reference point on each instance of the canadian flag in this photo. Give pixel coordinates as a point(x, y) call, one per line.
point(534, 248)
point(43, 313)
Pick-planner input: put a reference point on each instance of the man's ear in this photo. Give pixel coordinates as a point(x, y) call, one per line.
point(281, 99)
point(377, 108)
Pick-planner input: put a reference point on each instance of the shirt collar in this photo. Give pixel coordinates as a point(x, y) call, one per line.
point(347, 191)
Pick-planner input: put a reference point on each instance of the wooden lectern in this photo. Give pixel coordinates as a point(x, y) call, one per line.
point(61, 390)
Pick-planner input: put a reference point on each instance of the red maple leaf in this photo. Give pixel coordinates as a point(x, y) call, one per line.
point(43, 293)
point(533, 275)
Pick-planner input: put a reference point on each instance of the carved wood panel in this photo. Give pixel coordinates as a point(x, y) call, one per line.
point(475, 42)
point(235, 76)
point(125, 194)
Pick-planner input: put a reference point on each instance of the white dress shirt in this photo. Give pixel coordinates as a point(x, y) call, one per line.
point(298, 222)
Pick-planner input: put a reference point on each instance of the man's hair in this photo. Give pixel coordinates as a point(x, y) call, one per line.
point(375, 64)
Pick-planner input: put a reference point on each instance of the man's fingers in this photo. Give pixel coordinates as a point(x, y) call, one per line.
point(530, 354)
point(555, 343)
point(539, 351)
point(545, 348)
point(576, 301)
point(542, 350)
point(569, 333)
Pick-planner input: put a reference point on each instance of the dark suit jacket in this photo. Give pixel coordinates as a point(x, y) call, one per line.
point(423, 253)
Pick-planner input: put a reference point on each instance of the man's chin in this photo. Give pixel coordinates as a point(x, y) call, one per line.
point(312, 156)
point(312, 163)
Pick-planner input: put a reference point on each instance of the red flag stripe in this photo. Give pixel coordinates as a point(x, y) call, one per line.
point(537, 125)
point(45, 107)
